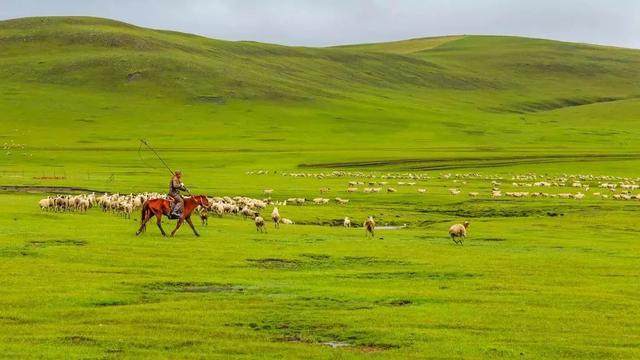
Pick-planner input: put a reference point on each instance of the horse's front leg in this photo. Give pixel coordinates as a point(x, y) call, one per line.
point(192, 227)
point(177, 226)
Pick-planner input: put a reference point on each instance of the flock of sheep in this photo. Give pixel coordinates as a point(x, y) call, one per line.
point(601, 186)
point(124, 205)
point(604, 187)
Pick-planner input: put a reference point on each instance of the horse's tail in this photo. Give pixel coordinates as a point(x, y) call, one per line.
point(143, 213)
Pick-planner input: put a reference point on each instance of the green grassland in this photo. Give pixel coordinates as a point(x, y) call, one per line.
point(537, 278)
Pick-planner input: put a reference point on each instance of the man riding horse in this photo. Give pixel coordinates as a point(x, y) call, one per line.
point(175, 186)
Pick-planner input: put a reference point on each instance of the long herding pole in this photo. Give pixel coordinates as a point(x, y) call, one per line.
point(143, 141)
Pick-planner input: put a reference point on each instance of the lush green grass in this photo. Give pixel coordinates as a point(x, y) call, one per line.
point(80, 92)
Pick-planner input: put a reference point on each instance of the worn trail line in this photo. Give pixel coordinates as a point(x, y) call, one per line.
point(555, 104)
point(45, 189)
point(471, 162)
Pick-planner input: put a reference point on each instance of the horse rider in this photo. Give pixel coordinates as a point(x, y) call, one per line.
point(175, 186)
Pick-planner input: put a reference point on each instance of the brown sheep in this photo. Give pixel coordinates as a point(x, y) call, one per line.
point(260, 226)
point(369, 226)
point(204, 216)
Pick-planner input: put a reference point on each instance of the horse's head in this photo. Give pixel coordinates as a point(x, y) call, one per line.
point(201, 200)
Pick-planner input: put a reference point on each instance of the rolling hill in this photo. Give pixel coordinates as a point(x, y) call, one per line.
point(99, 84)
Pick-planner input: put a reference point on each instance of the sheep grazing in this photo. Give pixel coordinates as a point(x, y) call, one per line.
point(246, 212)
point(46, 204)
point(473, 194)
point(391, 190)
point(422, 191)
point(268, 191)
point(347, 222)
point(275, 216)
point(454, 191)
point(369, 226)
point(286, 221)
point(342, 201)
point(260, 226)
point(458, 232)
point(219, 208)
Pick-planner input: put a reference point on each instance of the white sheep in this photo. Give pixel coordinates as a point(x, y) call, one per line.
point(45, 204)
point(458, 232)
point(347, 222)
point(246, 212)
point(275, 216)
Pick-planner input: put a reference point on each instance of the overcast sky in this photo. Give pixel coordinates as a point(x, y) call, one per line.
point(331, 22)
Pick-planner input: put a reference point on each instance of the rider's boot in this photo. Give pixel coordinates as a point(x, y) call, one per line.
point(176, 212)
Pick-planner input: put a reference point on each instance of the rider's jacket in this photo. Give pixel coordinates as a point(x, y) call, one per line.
point(175, 186)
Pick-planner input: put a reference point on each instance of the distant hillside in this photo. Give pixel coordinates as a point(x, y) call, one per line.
point(94, 84)
point(103, 54)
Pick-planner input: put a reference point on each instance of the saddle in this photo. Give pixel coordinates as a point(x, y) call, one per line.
point(173, 215)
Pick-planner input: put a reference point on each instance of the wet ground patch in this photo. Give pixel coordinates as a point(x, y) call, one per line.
point(370, 260)
point(15, 251)
point(79, 340)
point(50, 243)
point(335, 335)
point(8, 319)
point(395, 302)
point(118, 302)
point(325, 302)
point(308, 261)
point(491, 209)
point(193, 287)
point(28, 248)
point(275, 263)
point(410, 275)
point(490, 239)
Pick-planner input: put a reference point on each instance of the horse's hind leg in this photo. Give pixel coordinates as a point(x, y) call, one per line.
point(143, 224)
point(159, 223)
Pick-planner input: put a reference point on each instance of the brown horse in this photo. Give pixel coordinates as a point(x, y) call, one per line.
point(159, 207)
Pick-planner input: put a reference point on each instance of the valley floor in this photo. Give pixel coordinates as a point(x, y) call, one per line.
point(537, 277)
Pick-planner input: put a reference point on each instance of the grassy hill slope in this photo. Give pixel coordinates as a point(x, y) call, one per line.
point(95, 85)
